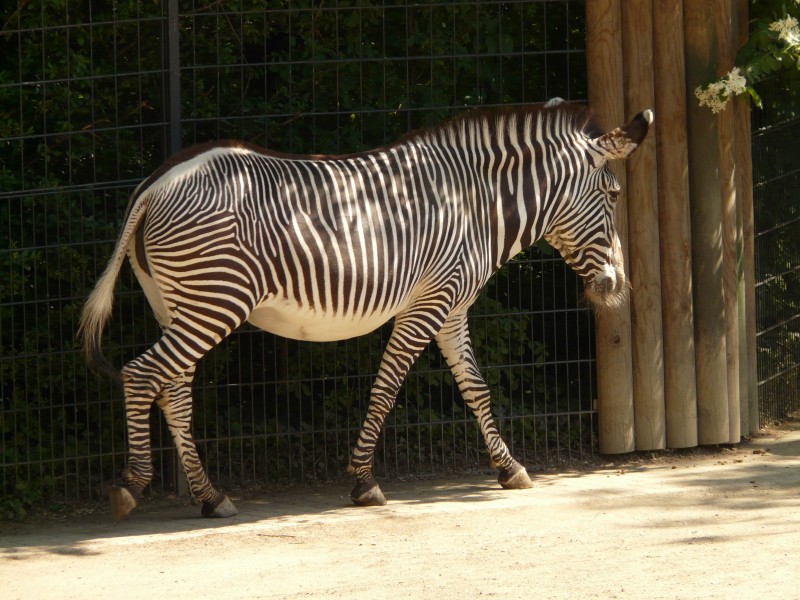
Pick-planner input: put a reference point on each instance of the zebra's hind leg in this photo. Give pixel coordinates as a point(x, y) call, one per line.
point(456, 347)
point(176, 404)
point(166, 367)
point(141, 385)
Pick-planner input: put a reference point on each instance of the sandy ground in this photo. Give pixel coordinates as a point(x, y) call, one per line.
point(709, 525)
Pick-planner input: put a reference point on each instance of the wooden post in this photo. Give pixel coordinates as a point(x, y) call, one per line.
point(613, 328)
point(707, 253)
point(726, 124)
point(744, 197)
point(748, 373)
point(643, 235)
point(680, 392)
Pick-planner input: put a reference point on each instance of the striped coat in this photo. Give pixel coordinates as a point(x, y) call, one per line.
point(325, 248)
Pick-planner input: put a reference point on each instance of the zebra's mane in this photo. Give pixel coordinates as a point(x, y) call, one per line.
point(575, 116)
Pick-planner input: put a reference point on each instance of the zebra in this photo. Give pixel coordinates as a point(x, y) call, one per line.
point(322, 248)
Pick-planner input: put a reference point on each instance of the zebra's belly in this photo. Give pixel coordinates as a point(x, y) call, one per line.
point(289, 320)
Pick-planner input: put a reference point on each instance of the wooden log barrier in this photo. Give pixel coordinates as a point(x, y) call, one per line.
point(613, 328)
point(680, 392)
point(679, 368)
point(643, 232)
point(726, 126)
point(748, 373)
point(707, 243)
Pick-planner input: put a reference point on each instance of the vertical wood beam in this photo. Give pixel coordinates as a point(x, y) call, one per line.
point(748, 373)
point(613, 328)
point(680, 392)
point(726, 126)
point(706, 208)
point(643, 234)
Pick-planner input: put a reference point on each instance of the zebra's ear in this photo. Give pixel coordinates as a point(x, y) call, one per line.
point(622, 141)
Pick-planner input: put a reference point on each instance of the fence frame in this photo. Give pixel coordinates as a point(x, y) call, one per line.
point(674, 369)
point(551, 433)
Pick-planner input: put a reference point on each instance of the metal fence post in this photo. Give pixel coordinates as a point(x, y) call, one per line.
point(174, 76)
point(174, 120)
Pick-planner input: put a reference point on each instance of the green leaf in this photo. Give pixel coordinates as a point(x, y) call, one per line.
point(754, 97)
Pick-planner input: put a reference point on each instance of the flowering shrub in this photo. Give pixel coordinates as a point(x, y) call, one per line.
point(786, 30)
point(773, 48)
point(715, 95)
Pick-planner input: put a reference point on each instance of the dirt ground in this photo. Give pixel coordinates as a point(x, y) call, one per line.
point(722, 524)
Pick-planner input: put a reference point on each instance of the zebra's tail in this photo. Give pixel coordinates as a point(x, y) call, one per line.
point(97, 309)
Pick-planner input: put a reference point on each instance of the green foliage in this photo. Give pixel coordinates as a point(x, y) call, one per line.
point(771, 58)
point(772, 49)
point(338, 80)
point(769, 52)
point(15, 506)
point(777, 213)
point(74, 128)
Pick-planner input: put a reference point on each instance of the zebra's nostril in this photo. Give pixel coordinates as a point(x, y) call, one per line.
point(604, 284)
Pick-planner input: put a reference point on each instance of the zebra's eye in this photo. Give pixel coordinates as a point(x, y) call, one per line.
point(614, 195)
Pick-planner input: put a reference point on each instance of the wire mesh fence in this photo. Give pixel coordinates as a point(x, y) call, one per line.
point(776, 179)
point(94, 96)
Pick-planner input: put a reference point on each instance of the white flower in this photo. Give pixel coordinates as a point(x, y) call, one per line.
point(713, 96)
point(787, 30)
point(717, 94)
point(735, 82)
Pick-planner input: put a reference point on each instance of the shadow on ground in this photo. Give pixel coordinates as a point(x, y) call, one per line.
point(752, 479)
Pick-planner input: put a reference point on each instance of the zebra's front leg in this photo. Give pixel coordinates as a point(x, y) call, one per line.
point(456, 347)
point(175, 402)
point(412, 332)
point(367, 492)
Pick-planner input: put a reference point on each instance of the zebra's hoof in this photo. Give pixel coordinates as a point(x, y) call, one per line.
point(515, 478)
point(123, 501)
point(368, 494)
point(220, 509)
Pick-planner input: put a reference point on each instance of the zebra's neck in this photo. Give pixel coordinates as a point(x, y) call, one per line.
point(516, 173)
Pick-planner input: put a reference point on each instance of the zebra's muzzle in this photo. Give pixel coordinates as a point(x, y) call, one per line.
point(604, 285)
point(609, 288)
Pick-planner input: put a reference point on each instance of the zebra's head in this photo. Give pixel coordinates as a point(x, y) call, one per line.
point(585, 231)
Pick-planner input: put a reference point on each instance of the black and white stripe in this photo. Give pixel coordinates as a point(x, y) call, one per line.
point(323, 248)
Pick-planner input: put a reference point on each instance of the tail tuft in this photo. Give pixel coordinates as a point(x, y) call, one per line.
point(97, 309)
point(96, 313)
